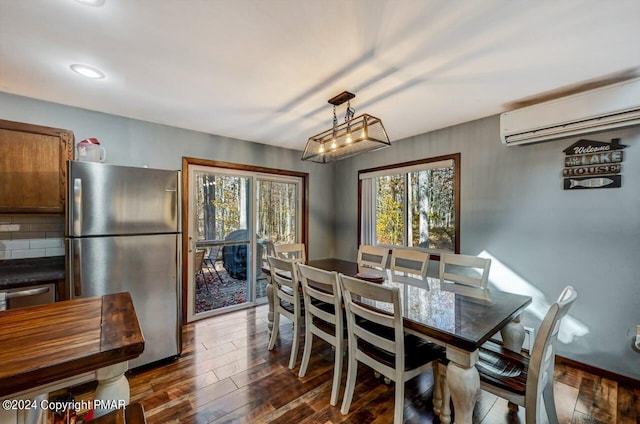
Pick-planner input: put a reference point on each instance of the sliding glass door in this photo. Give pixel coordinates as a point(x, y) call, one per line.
point(234, 219)
point(278, 218)
point(220, 218)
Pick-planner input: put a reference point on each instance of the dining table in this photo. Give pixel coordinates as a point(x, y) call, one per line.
point(49, 347)
point(459, 322)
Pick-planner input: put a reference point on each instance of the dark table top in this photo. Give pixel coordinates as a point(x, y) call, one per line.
point(31, 271)
point(462, 321)
point(46, 343)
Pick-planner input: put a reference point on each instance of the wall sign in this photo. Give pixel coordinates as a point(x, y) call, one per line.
point(593, 164)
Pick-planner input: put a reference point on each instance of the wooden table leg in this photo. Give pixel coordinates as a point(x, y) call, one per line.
point(112, 386)
point(463, 382)
point(513, 335)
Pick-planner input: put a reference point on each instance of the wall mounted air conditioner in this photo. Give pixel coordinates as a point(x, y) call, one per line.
point(606, 108)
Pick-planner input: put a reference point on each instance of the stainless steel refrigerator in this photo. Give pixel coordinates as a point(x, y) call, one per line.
point(123, 234)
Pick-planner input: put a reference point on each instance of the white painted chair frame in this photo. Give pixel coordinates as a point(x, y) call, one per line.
point(541, 365)
point(353, 286)
point(287, 290)
point(292, 251)
point(365, 263)
point(419, 258)
point(463, 283)
point(324, 287)
point(539, 384)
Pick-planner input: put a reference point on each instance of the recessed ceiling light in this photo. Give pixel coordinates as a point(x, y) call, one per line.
point(87, 71)
point(91, 2)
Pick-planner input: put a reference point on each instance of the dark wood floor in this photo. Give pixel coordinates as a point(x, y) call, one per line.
point(227, 375)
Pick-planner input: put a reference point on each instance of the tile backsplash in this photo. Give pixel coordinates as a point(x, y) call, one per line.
point(31, 236)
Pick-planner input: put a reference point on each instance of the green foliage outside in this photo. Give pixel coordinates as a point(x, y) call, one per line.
point(277, 209)
point(390, 209)
point(218, 205)
point(222, 207)
point(429, 210)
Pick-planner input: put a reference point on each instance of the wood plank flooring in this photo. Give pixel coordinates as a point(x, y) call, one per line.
point(227, 375)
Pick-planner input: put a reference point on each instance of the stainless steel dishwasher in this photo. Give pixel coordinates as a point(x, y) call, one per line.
point(27, 296)
point(17, 298)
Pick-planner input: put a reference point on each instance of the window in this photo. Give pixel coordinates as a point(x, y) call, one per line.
point(278, 212)
point(277, 209)
point(412, 204)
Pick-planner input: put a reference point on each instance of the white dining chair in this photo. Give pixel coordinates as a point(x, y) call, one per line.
point(287, 301)
point(465, 274)
point(410, 261)
point(293, 251)
point(527, 381)
point(323, 319)
point(377, 339)
point(372, 258)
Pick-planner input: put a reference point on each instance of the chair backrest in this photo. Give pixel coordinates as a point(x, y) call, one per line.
point(215, 254)
point(372, 257)
point(198, 257)
point(269, 248)
point(322, 287)
point(292, 251)
point(360, 321)
point(543, 355)
point(460, 269)
point(284, 274)
point(410, 261)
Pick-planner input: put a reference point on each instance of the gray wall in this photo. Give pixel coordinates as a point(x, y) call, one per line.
point(137, 143)
point(540, 236)
point(512, 208)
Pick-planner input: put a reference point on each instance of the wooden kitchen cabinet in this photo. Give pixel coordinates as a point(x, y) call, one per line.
point(33, 166)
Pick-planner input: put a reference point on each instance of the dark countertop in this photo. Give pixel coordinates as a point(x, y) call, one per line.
point(31, 271)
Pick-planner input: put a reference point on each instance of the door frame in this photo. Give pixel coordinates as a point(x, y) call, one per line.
point(186, 161)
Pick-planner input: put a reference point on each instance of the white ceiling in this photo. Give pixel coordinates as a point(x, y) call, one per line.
point(263, 70)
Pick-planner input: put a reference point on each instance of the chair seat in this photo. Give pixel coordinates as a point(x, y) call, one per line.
point(503, 368)
point(329, 328)
point(418, 352)
point(506, 374)
point(287, 306)
point(284, 274)
point(371, 276)
point(377, 339)
point(323, 325)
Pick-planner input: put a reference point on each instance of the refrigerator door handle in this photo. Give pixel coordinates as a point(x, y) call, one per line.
point(77, 207)
point(76, 264)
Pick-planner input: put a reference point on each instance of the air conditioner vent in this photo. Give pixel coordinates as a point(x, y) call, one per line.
point(607, 108)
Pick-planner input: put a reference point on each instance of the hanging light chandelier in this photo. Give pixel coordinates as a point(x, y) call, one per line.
point(355, 135)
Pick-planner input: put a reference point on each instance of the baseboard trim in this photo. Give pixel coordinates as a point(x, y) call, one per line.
point(599, 371)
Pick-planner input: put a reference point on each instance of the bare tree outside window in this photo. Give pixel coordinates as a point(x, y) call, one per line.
point(219, 203)
point(277, 211)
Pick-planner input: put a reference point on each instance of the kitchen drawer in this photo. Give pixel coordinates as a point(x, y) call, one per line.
point(29, 296)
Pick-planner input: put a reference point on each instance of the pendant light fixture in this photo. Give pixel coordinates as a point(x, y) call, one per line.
point(356, 135)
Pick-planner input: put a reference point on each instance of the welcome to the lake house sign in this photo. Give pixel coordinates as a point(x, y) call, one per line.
point(593, 164)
